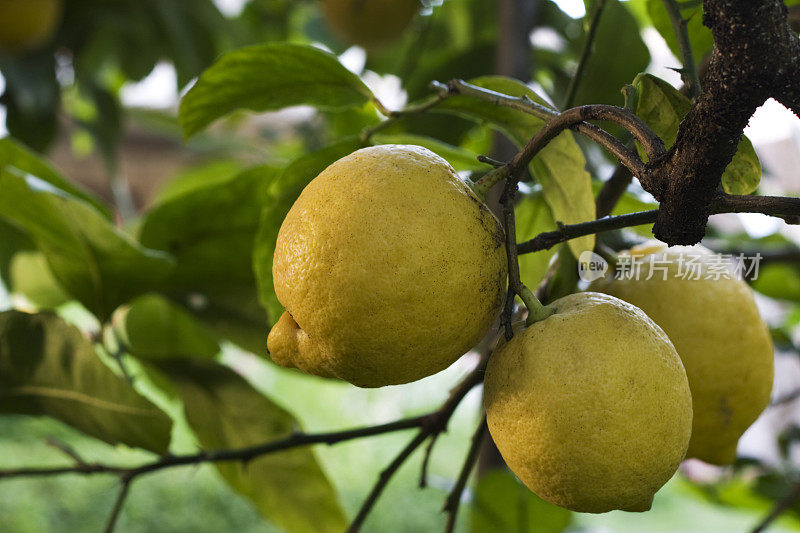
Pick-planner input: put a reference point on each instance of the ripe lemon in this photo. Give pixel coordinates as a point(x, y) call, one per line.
point(27, 24)
point(715, 326)
point(369, 23)
point(590, 407)
point(389, 268)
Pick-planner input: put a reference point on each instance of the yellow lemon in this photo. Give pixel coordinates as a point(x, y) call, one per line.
point(712, 319)
point(28, 24)
point(389, 268)
point(369, 23)
point(590, 407)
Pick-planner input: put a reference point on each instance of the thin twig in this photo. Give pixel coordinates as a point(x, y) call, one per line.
point(437, 423)
point(536, 311)
point(780, 206)
point(240, 454)
point(650, 141)
point(780, 507)
point(594, 23)
point(119, 503)
point(786, 398)
point(423, 473)
point(454, 498)
point(689, 71)
point(383, 480)
point(65, 449)
point(394, 116)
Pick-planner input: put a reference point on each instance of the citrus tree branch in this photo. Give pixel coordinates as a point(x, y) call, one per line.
point(454, 498)
point(436, 424)
point(641, 132)
point(689, 75)
point(594, 23)
point(780, 507)
point(756, 56)
point(536, 311)
point(784, 207)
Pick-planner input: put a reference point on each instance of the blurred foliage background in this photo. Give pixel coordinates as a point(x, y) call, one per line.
point(144, 241)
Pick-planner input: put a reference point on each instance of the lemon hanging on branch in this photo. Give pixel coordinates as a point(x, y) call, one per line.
point(590, 407)
point(28, 24)
point(369, 23)
point(389, 268)
point(712, 319)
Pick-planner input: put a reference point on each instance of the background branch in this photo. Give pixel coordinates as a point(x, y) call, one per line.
point(591, 33)
point(454, 498)
point(691, 80)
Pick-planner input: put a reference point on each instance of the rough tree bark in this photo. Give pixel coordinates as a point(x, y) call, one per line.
point(756, 56)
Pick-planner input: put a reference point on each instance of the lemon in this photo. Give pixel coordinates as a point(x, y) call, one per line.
point(715, 326)
point(369, 23)
point(28, 24)
point(590, 407)
point(389, 268)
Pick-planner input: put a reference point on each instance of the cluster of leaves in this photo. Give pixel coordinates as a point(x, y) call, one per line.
point(195, 271)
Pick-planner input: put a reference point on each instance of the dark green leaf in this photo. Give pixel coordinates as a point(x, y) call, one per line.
point(48, 368)
point(560, 167)
point(282, 194)
point(153, 328)
point(31, 97)
point(269, 77)
point(618, 55)
point(662, 107)
point(288, 488)
point(95, 262)
point(502, 503)
point(210, 229)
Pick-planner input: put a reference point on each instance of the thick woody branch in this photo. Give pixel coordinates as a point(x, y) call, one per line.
point(756, 56)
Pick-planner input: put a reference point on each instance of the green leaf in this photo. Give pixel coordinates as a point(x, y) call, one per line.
point(269, 77)
point(199, 177)
point(780, 281)
point(95, 262)
point(533, 217)
point(282, 194)
point(47, 368)
point(609, 68)
point(502, 503)
point(31, 97)
point(663, 108)
point(700, 37)
point(459, 158)
point(210, 229)
point(152, 328)
point(12, 241)
point(288, 488)
point(560, 167)
point(30, 275)
point(13, 154)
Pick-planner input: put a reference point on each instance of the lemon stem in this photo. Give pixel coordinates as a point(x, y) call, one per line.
point(489, 180)
point(536, 310)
